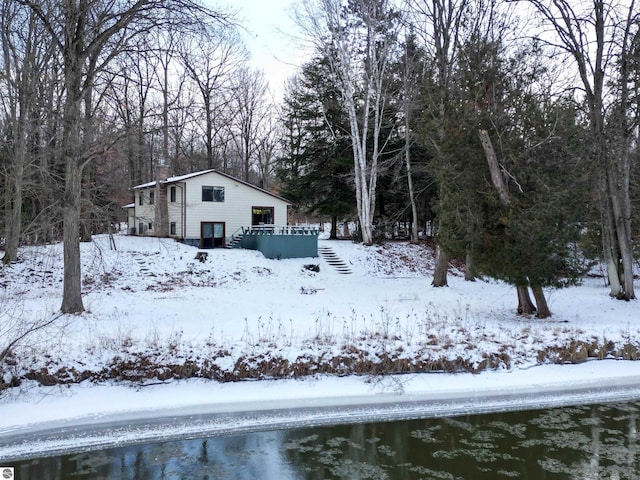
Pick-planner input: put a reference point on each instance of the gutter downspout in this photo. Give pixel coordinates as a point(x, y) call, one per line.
point(183, 187)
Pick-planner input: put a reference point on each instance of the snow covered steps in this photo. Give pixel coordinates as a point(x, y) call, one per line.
point(332, 259)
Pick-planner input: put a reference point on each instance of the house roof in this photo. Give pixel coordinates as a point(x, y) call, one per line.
point(129, 205)
point(182, 178)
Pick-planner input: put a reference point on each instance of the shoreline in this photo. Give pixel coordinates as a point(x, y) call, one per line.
point(83, 418)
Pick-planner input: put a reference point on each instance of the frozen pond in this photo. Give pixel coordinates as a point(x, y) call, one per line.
point(574, 442)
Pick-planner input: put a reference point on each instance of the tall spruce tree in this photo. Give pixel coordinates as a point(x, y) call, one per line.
point(316, 169)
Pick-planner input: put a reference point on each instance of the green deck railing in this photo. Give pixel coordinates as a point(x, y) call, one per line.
point(281, 241)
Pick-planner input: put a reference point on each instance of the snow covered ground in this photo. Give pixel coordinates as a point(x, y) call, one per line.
point(152, 300)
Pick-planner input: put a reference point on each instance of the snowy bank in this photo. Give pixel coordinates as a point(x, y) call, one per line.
point(86, 417)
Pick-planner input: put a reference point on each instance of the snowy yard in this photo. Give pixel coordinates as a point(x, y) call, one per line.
point(155, 315)
point(240, 315)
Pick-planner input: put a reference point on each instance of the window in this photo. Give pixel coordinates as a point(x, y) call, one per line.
point(141, 199)
point(212, 194)
point(262, 215)
point(141, 228)
point(152, 197)
point(172, 194)
point(150, 225)
point(172, 228)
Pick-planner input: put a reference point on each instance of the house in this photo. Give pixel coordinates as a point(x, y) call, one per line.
point(204, 209)
point(210, 209)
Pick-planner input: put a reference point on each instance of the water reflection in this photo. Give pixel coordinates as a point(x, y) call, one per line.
point(581, 443)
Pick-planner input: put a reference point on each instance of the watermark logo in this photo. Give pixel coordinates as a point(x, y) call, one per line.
point(7, 473)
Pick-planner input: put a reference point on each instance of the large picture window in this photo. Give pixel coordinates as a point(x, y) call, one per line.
point(212, 194)
point(262, 216)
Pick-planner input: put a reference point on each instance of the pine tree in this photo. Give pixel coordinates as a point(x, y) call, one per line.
point(316, 170)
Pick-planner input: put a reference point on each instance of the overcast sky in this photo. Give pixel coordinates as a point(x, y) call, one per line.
point(270, 37)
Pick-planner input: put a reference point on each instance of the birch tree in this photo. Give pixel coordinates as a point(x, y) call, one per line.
point(359, 38)
point(597, 37)
point(316, 162)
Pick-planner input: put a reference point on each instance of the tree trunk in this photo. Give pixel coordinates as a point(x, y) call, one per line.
point(165, 110)
point(541, 302)
point(18, 119)
point(468, 267)
point(85, 231)
point(525, 305)
point(88, 219)
point(87, 213)
point(622, 168)
point(610, 251)
point(334, 227)
point(208, 134)
point(363, 200)
point(440, 272)
point(72, 283)
point(345, 230)
point(407, 160)
point(161, 207)
point(13, 200)
point(71, 146)
point(624, 245)
point(496, 175)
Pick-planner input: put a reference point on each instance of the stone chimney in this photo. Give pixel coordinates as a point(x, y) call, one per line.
point(161, 217)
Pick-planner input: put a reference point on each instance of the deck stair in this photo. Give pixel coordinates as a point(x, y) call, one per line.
point(332, 259)
point(235, 241)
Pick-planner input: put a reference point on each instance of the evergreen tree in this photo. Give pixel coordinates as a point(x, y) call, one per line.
point(316, 168)
point(532, 241)
point(524, 230)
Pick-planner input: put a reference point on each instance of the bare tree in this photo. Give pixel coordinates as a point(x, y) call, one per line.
point(267, 143)
point(183, 120)
point(359, 41)
point(25, 55)
point(410, 81)
point(170, 81)
point(209, 60)
point(248, 94)
point(88, 35)
point(131, 98)
point(595, 35)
